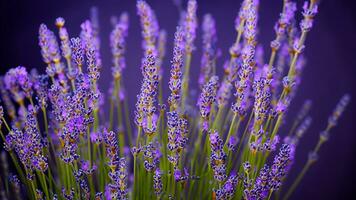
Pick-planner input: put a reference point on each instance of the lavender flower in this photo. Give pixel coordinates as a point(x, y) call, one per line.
point(209, 49)
point(284, 21)
point(190, 25)
point(49, 45)
point(64, 36)
point(261, 186)
point(149, 26)
point(72, 112)
point(262, 99)
point(28, 145)
point(152, 155)
point(117, 43)
point(208, 97)
point(157, 182)
point(338, 110)
point(177, 132)
point(9, 106)
point(161, 46)
point(16, 79)
point(309, 11)
point(228, 189)
point(93, 68)
point(77, 52)
point(74, 118)
point(90, 40)
point(145, 106)
point(175, 81)
point(218, 156)
point(243, 85)
point(278, 169)
point(303, 127)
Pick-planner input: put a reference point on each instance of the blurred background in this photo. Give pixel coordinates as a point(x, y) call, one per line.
point(330, 71)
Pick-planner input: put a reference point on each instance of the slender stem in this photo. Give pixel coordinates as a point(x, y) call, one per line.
point(297, 181)
point(186, 80)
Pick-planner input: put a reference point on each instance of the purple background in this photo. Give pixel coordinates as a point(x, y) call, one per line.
point(330, 50)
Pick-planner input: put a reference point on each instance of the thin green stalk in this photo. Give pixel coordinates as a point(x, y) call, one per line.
point(44, 182)
point(297, 181)
point(186, 80)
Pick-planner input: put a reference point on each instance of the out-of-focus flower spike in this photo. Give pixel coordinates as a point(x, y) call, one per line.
point(49, 45)
point(90, 40)
point(340, 107)
point(118, 45)
point(224, 93)
point(190, 25)
point(161, 46)
point(303, 127)
point(94, 18)
point(5, 97)
point(282, 24)
point(149, 26)
point(209, 50)
point(114, 21)
point(305, 110)
point(16, 79)
point(309, 12)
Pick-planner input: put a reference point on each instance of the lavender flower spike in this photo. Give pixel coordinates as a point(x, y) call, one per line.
point(208, 97)
point(145, 106)
point(175, 81)
point(279, 167)
point(209, 49)
point(218, 156)
point(118, 45)
point(118, 167)
point(77, 53)
point(65, 43)
point(190, 25)
point(340, 107)
point(149, 26)
point(49, 45)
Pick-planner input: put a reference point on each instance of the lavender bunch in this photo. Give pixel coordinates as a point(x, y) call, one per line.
point(53, 124)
